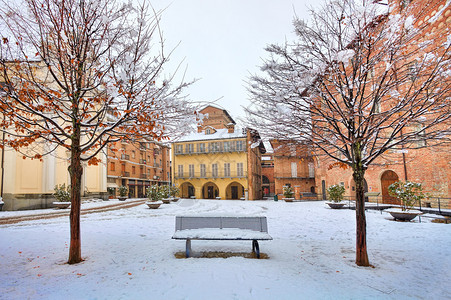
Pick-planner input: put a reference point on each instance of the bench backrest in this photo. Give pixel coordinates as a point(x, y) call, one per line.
point(252, 223)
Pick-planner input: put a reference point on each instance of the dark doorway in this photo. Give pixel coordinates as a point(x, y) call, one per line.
point(190, 191)
point(234, 192)
point(323, 188)
point(210, 192)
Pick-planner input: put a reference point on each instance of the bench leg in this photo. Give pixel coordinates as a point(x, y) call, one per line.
point(256, 248)
point(188, 248)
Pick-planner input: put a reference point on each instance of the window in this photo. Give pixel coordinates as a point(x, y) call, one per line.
point(180, 171)
point(113, 166)
point(201, 148)
point(203, 171)
point(311, 170)
point(239, 170)
point(191, 171)
point(226, 146)
point(208, 131)
point(214, 170)
point(133, 153)
point(214, 147)
point(189, 148)
point(239, 145)
point(294, 169)
point(133, 170)
point(421, 142)
point(232, 146)
point(178, 149)
point(226, 169)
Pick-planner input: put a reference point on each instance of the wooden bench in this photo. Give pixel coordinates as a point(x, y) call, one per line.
point(221, 228)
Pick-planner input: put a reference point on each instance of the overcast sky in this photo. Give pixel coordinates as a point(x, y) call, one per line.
point(221, 41)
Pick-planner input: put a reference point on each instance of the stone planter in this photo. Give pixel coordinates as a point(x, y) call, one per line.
point(122, 198)
point(175, 199)
point(154, 205)
point(288, 199)
point(399, 214)
point(166, 200)
point(336, 205)
point(61, 205)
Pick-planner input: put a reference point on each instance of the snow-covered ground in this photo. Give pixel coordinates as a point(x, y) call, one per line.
point(129, 254)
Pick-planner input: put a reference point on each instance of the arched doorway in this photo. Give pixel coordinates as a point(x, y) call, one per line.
point(234, 191)
point(387, 178)
point(187, 190)
point(210, 191)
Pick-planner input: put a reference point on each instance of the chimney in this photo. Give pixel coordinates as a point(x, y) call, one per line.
point(230, 128)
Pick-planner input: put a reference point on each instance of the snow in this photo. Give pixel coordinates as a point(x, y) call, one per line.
point(129, 254)
point(440, 12)
point(219, 134)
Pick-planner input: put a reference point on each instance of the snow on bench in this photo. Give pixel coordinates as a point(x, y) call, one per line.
point(221, 228)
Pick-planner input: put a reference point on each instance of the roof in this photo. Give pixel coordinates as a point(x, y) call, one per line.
point(218, 135)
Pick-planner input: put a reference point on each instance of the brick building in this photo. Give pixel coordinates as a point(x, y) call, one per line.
point(268, 175)
point(293, 166)
point(429, 166)
point(137, 166)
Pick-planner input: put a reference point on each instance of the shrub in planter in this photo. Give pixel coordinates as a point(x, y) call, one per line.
point(336, 193)
point(62, 195)
point(409, 193)
point(154, 194)
point(288, 193)
point(123, 191)
point(174, 191)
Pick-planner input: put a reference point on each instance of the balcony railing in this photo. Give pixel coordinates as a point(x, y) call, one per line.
point(142, 161)
point(125, 174)
point(125, 156)
point(207, 151)
point(201, 175)
point(144, 176)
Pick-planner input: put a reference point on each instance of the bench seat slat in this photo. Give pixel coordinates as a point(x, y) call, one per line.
point(221, 234)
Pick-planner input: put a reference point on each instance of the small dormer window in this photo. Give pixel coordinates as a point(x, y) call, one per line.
point(208, 131)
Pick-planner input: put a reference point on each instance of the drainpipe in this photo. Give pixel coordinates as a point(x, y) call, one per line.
point(3, 163)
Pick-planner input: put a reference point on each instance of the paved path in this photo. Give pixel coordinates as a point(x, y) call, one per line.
point(65, 212)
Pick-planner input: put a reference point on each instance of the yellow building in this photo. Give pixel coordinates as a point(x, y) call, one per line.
point(218, 160)
point(29, 184)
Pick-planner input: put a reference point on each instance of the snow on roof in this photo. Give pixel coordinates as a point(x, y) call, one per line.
point(219, 134)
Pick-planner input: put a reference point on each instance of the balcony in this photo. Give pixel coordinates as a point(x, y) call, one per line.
point(142, 161)
point(125, 174)
point(207, 175)
point(206, 151)
point(125, 157)
point(144, 176)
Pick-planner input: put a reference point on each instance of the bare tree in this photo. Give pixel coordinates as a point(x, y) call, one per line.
point(81, 75)
point(360, 79)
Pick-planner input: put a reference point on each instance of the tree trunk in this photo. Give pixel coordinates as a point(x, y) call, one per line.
point(75, 170)
point(361, 258)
